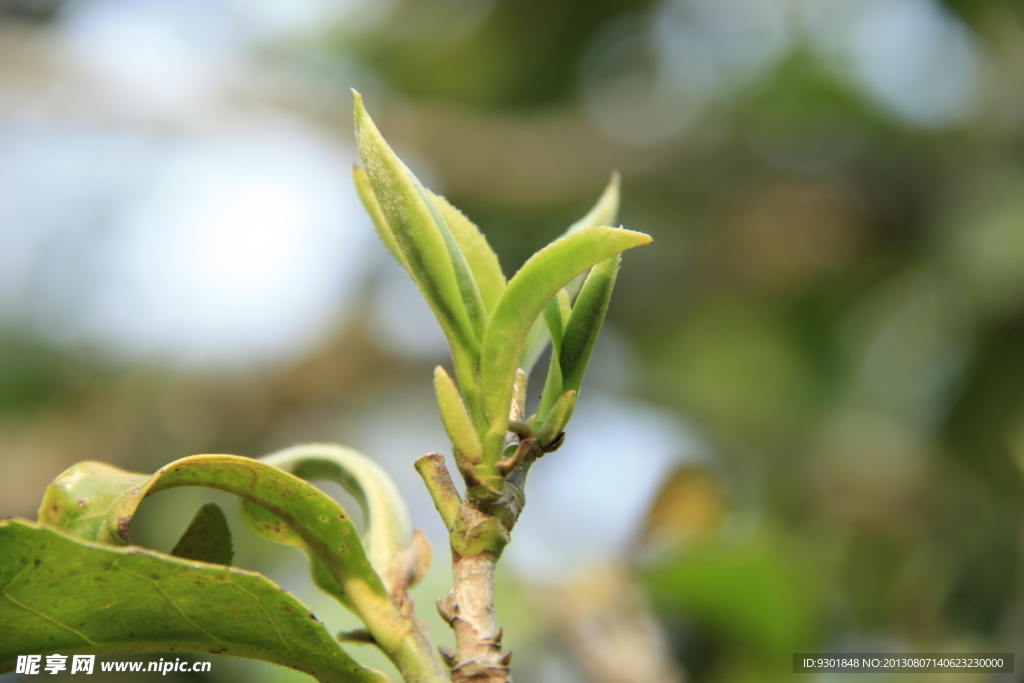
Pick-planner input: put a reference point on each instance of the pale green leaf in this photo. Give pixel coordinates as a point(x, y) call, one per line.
point(603, 213)
point(77, 501)
point(482, 260)
point(585, 322)
point(457, 423)
point(527, 293)
point(428, 249)
point(556, 315)
point(380, 223)
point(553, 424)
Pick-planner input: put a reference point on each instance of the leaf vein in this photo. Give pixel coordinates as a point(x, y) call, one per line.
point(269, 617)
point(170, 600)
point(46, 616)
point(15, 578)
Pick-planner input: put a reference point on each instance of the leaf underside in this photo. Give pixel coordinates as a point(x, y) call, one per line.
point(207, 538)
point(387, 526)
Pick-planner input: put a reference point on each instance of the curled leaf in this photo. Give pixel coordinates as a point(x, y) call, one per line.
point(556, 314)
point(323, 526)
point(380, 223)
point(604, 212)
point(77, 501)
point(387, 531)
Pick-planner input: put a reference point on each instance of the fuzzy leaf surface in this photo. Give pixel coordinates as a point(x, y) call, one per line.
point(585, 321)
point(428, 249)
point(603, 213)
point(455, 417)
point(527, 293)
point(482, 260)
point(556, 316)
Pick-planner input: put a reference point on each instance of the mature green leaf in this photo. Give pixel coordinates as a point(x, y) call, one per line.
point(207, 538)
point(68, 596)
point(387, 527)
point(317, 519)
point(271, 527)
point(429, 250)
point(482, 260)
point(585, 322)
point(527, 293)
point(603, 213)
point(78, 499)
point(455, 417)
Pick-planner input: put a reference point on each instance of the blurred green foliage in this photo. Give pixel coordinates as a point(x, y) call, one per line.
point(835, 303)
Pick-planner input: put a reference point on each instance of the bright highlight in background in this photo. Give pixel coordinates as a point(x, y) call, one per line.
point(242, 247)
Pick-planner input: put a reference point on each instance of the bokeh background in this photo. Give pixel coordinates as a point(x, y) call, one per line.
point(803, 429)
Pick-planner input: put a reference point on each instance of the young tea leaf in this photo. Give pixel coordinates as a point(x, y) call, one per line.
point(585, 322)
point(481, 258)
point(527, 293)
point(556, 315)
point(455, 417)
point(380, 223)
point(428, 249)
point(603, 213)
point(556, 419)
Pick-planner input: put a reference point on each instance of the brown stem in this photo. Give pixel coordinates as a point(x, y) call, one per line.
point(478, 533)
point(470, 611)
